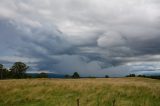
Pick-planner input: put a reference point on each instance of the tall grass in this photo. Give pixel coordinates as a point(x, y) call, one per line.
point(90, 92)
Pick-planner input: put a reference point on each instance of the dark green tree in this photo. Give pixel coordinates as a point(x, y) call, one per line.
point(4, 73)
point(18, 70)
point(131, 75)
point(1, 71)
point(75, 75)
point(106, 76)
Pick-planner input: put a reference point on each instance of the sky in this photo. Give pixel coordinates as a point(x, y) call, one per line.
point(92, 37)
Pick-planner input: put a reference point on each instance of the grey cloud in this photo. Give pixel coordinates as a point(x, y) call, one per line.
point(85, 36)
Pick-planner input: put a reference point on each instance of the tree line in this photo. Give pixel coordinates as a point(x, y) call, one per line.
point(144, 76)
point(75, 75)
point(17, 70)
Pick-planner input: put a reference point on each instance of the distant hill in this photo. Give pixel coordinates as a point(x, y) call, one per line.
point(50, 75)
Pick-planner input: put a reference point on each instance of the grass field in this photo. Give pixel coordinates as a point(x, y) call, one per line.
point(90, 92)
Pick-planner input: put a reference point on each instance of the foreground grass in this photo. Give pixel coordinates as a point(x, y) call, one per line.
point(91, 92)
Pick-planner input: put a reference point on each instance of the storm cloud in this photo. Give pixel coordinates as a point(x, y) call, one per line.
point(93, 37)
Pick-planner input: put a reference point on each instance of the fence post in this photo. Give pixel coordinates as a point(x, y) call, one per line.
point(77, 102)
point(114, 101)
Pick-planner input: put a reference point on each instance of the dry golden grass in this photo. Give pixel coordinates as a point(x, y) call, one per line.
point(91, 92)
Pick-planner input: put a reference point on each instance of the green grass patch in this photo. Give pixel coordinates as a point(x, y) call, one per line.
point(90, 92)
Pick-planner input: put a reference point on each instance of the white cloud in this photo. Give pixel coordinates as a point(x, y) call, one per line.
point(13, 59)
point(111, 39)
